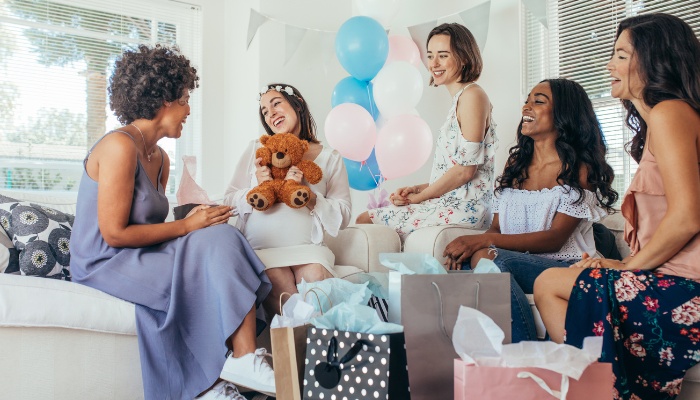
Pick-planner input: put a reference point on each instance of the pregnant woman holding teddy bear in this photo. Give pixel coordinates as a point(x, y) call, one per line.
point(287, 235)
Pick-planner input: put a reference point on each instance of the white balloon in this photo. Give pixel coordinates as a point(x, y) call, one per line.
point(397, 89)
point(381, 10)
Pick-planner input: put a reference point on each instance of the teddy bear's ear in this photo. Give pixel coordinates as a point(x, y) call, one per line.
point(264, 138)
point(304, 145)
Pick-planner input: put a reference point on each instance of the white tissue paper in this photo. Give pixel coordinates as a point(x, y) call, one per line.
point(295, 312)
point(478, 340)
point(411, 263)
point(486, 266)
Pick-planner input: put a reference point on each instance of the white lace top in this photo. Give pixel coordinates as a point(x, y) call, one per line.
point(525, 211)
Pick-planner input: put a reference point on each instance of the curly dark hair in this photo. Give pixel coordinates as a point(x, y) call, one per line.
point(668, 54)
point(308, 125)
point(579, 142)
point(464, 48)
point(146, 77)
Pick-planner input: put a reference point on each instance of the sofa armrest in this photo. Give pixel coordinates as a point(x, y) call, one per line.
point(433, 239)
point(360, 245)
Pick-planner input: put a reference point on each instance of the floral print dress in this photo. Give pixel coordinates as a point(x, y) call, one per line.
point(468, 205)
point(650, 323)
point(649, 320)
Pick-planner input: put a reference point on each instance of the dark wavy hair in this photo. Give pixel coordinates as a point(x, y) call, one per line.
point(308, 125)
point(668, 55)
point(146, 77)
point(579, 142)
point(464, 48)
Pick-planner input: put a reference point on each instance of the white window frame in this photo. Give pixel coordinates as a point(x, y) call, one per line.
point(188, 21)
point(541, 59)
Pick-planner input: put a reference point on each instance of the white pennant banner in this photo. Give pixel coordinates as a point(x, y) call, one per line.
point(256, 19)
point(419, 33)
point(293, 37)
point(538, 9)
point(476, 19)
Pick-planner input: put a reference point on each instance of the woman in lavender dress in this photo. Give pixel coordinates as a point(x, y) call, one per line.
point(195, 282)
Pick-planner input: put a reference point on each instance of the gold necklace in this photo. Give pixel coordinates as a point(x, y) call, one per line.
point(145, 150)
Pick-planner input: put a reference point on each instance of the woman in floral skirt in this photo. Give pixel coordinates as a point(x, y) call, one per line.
point(647, 306)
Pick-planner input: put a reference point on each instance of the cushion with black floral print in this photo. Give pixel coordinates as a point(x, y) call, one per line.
point(41, 236)
point(9, 256)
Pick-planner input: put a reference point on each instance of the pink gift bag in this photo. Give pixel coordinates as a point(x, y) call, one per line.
point(497, 383)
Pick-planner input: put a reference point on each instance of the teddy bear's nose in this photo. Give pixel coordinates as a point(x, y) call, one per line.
point(279, 155)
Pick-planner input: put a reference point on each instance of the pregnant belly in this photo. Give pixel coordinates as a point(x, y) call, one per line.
point(279, 226)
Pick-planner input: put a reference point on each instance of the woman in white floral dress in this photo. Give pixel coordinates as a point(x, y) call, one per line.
point(461, 181)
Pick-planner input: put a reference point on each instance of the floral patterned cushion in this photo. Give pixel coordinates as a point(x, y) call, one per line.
point(41, 235)
point(9, 256)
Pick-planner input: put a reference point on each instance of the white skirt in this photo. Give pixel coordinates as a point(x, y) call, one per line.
point(281, 237)
point(298, 255)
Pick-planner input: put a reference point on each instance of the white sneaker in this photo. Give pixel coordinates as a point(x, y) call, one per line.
point(222, 391)
point(251, 371)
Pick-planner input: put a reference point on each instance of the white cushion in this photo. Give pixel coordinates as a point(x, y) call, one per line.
point(27, 301)
point(61, 202)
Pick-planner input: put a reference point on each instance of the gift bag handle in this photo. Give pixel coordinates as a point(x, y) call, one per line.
point(442, 317)
point(312, 290)
point(318, 299)
point(282, 295)
point(561, 395)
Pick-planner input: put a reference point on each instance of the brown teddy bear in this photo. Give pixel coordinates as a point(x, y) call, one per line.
point(280, 152)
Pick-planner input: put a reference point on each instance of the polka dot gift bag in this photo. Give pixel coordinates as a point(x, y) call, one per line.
point(350, 365)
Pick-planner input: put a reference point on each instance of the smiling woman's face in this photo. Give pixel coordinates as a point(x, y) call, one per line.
point(626, 83)
point(538, 112)
point(279, 114)
point(442, 63)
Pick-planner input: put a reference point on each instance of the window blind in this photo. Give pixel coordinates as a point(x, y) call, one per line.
point(578, 44)
point(56, 58)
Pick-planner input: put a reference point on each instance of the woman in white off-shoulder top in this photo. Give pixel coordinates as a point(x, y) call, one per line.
point(556, 183)
point(289, 241)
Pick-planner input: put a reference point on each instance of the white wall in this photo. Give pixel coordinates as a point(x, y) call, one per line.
point(229, 83)
point(232, 75)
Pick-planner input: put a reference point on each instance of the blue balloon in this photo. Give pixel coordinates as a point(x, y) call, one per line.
point(362, 46)
point(363, 175)
point(351, 90)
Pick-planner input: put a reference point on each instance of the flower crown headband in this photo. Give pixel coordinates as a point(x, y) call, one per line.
point(279, 88)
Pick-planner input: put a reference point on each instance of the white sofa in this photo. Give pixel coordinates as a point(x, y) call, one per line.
point(432, 240)
point(63, 340)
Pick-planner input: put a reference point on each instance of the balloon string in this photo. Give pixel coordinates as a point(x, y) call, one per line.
point(372, 174)
point(371, 100)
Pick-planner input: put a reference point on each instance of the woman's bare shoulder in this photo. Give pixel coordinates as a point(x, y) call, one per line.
point(115, 144)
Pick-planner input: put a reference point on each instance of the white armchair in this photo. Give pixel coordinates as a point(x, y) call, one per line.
point(433, 239)
point(360, 245)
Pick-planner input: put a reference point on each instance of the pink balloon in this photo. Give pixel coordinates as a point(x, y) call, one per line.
point(403, 145)
point(350, 129)
point(402, 48)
